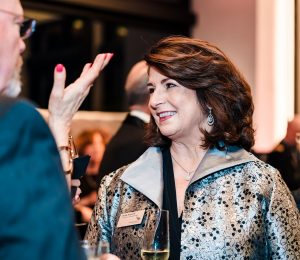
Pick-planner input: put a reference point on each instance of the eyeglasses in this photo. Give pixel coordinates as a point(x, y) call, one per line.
point(27, 26)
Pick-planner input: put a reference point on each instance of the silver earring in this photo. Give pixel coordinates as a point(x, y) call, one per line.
point(210, 118)
point(157, 129)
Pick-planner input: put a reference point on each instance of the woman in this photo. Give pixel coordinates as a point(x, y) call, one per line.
point(224, 203)
point(89, 142)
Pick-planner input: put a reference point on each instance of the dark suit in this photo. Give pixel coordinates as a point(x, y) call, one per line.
point(125, 146)
point(36, 216)
point(286, 159)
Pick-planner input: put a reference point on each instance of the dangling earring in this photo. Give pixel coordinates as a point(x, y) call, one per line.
point(157, 129)
point(210, 118)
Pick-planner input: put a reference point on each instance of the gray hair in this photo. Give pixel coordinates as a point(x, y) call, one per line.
point(136, 84)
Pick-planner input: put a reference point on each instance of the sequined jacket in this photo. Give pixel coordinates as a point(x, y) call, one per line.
point(236, 207)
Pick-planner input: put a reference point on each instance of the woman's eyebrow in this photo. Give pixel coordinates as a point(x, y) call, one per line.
point(149, 84)
point(164, 80)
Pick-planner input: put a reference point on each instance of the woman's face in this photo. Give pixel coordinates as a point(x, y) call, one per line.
point(175, 108)
point(96, 151)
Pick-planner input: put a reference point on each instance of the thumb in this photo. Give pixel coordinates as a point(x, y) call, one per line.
point(59, 80)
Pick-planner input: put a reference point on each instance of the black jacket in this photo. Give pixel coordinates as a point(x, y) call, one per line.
point(286, 159)
point(125, 146)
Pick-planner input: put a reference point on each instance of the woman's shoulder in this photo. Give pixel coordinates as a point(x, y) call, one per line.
point(262, 166)
point(262, 172)
point(113, 177)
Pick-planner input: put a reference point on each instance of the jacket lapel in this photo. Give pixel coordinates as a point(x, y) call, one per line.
point(145, 174)
point(216, 160)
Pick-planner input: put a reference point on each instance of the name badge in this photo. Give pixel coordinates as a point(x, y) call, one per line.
point(131, 218)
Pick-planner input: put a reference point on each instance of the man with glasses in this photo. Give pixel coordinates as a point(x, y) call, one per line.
point(35, 206)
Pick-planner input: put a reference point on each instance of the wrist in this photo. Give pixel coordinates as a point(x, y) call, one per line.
point(68, 153)
point(69, 147)
point(60, 134)
point(58, 124)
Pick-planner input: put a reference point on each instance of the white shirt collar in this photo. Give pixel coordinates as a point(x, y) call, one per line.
point(141, 115)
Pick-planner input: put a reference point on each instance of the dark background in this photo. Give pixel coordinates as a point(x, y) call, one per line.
point(72, 32)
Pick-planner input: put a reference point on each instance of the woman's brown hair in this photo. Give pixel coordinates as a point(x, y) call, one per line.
point(199, 65)
point(85, 138)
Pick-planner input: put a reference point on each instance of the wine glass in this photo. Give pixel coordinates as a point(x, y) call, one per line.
point(94, 252)
point(156, 244)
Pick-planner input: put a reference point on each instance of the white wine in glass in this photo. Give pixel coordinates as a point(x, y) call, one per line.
point(155, 255)
point(156, 244)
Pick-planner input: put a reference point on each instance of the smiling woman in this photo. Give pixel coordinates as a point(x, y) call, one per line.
point(174, 107)
point(199, 167)
point(221, 91)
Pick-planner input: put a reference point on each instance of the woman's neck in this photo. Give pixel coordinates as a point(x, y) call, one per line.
point(192, 151)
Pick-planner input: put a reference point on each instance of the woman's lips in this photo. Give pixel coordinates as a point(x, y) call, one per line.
point(163, 116)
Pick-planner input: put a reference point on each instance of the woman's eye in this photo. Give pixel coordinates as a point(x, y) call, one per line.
point(151, 90)
point(170, 85)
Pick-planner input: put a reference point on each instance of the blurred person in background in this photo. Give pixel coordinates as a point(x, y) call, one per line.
point(128, 143)
point(286, 158)
point(35, 206)
point(224, 203)
point(89, 142)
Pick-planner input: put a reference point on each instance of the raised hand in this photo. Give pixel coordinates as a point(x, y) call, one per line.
point(65, 102)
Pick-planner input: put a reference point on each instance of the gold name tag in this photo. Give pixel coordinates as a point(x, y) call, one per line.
point(131, 218)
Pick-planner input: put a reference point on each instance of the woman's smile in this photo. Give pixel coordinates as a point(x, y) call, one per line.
point(163, 116)
point(175, 108)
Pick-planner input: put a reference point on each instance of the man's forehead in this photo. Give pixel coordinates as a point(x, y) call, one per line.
point(12, 6)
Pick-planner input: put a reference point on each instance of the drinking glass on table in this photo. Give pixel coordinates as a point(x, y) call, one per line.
point(156, 244)
point(95, 251)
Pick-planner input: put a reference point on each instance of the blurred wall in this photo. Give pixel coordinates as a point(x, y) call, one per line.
point(230, 25)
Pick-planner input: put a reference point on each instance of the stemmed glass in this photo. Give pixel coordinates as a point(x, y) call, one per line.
point(94, 252)
point(156, 244)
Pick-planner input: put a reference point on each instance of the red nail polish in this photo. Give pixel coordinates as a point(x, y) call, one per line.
point(111, 55)
point(59, 67)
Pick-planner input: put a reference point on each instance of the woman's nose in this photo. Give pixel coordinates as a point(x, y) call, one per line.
point(156, 98)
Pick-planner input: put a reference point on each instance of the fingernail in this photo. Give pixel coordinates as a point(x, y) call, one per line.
point(59, 67)
point(111, 55)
